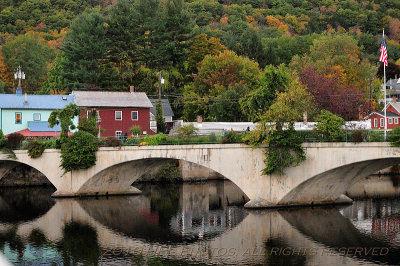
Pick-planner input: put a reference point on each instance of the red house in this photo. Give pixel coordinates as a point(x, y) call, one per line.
point(392, 116)
point(118, 111)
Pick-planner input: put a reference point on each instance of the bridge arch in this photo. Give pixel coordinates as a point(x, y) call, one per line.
point(329, 186)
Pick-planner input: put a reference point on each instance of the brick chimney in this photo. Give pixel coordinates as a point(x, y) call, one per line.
point(132, 88)
point(394, 99)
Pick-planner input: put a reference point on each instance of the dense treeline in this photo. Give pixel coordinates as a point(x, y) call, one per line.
point(226, 60)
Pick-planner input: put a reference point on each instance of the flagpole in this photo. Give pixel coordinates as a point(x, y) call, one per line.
point(384, 88)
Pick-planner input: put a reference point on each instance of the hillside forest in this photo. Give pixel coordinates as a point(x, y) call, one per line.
point(227, 60)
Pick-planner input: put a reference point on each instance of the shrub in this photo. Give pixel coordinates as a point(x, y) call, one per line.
point(284, 150)
point(35, 149)
point(232, 137)
point(155, 139)
point(358, 136)
point(112, 142)
point(212, 138)
point(88, 125)
point(3, 139)
point(394, 137)
point(78, 151)
point(15, 139)
point(330, 125)
point(186, 131)
point(135, 130)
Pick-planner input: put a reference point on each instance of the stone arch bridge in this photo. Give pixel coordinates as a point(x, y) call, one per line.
point(329, 170)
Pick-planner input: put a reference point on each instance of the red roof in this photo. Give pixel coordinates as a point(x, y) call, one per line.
point(27, 133)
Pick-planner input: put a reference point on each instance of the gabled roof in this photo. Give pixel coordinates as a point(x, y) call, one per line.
point(48, 102)
point(388, 114)
point(395, 105)
point(167, 110)
point(42, 126)
point(111, 99)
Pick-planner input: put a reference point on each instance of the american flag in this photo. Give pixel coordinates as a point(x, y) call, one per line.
point(383, 58)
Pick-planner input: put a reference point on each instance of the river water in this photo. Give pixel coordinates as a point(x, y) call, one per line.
point(192, 224)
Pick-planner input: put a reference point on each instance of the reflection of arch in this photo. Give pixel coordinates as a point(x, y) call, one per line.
point(23, 204)
point(328, 186)
point(329, 227)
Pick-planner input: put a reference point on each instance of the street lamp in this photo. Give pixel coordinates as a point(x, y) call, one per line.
point(19, 75)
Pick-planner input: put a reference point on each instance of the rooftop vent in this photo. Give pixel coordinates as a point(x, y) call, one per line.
point(64, 97)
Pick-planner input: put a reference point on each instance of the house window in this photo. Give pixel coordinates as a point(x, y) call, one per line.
point(118, 133)
point(375, 122)
point(36, 117)
point(134, 115)
point(390, 120)
point(381, 122)
point(118, 115)
point(396, 121)
point(18, 118)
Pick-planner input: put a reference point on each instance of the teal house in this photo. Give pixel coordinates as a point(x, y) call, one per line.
point(28, 114)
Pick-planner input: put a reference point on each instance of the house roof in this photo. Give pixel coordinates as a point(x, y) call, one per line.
point(27, 133)
point(50, 102)
point(111, 99)
point(167, 110)
point(42, 126)
point(396, 105)
point(388, 114)
point(394, 83)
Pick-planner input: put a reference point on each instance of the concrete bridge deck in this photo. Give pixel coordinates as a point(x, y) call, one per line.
point(329, 170)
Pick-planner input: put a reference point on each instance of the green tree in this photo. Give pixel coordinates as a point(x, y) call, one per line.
point(85, 47)
point(170, 35)
point(135, 130)
point(330, 125)
point(32, 54)
point(226, 106)
point(159, 117)
point(256, 103)
point(65, 118)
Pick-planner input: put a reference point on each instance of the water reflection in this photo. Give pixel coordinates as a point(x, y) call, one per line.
point(24, 204)
point(200, 224)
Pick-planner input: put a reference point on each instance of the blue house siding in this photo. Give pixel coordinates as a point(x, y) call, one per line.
point(11, 104)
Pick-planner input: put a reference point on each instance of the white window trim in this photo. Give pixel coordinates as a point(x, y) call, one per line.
point(381, 122)
point(390, 121)
point(116, 115)
point(118, 135)
point(38, 114)
point(137, 115)
point(396, 121)
point(87, 113)
point(375, 122)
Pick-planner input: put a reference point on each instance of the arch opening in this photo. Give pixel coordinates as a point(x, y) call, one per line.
point(328, 187)
point(118, 179)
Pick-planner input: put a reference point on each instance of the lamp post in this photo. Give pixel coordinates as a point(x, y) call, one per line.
point(19, 75)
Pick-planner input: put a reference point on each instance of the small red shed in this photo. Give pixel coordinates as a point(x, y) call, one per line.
point(118, 111)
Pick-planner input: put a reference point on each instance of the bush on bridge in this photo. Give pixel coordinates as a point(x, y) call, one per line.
point(5, 147)
point(155, 139)
point(330, 125)
point(35, 149)
point(78, 151)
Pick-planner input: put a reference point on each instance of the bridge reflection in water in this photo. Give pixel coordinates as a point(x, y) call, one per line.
point(193, 223)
